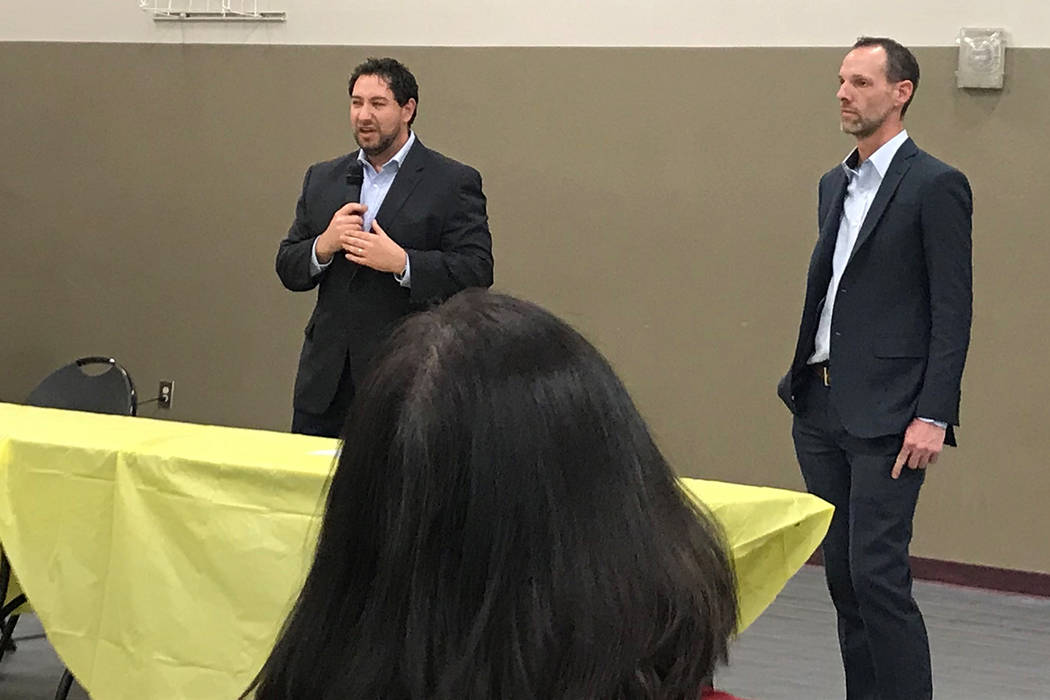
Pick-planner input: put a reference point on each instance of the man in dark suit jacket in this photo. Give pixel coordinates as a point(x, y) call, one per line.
point(381, 232)
point(874, 383)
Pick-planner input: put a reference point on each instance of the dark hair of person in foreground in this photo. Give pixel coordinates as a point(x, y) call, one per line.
point(500, 525)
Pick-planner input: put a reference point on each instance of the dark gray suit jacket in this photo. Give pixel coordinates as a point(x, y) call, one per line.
point(435, 210)
point(901, 324)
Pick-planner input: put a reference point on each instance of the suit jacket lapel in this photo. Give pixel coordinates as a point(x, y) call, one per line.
point(408, 177)
point(820, 267)
point(829, 232)
point(898, 167)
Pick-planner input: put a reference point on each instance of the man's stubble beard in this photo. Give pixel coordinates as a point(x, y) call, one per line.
point(862, 128)
point(384, 143)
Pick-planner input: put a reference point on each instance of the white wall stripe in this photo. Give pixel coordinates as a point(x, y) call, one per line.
point(616, 23)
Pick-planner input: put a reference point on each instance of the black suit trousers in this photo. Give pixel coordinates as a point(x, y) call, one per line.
point(328, 423)
point(885, 649)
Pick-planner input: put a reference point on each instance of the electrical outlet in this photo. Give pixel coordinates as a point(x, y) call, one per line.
point(165, 392)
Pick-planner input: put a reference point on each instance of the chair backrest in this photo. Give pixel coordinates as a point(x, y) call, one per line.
point(96, 384)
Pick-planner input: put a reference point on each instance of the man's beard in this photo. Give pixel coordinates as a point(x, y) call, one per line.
point(385, 141)
point(862, 127)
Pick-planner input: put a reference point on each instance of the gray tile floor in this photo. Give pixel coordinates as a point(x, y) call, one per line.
point(32, 671)
point(986, 646)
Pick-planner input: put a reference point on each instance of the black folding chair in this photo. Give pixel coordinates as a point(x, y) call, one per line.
point(8, 620)
point(95, 384)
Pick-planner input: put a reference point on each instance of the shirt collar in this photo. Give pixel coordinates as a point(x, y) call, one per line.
point(880, 159)
point(398, 158)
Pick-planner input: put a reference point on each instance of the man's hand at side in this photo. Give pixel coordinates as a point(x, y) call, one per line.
point(923, 441)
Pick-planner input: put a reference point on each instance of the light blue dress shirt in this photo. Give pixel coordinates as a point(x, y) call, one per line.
point(374, 188)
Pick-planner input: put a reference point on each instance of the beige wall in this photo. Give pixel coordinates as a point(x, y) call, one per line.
point(660, 199)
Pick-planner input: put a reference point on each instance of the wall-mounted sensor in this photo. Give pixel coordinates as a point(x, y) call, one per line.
point(982, 58)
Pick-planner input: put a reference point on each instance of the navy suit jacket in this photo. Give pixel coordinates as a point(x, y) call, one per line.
point(901, 324)
point(435, 210)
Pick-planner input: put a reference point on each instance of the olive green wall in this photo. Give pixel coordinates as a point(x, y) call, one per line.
point(662, 200)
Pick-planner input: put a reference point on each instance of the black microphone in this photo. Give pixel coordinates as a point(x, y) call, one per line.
point(355, 174)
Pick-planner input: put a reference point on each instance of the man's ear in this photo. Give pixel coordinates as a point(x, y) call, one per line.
point(905, 88)
point(408, 110)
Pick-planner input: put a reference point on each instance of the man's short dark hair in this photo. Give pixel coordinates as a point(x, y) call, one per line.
point(397, 77)
point(900, 63)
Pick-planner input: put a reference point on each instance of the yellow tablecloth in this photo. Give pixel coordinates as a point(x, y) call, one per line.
point(162, 557)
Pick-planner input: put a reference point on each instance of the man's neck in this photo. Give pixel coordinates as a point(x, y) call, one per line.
point(873, 142)
point(381, 159)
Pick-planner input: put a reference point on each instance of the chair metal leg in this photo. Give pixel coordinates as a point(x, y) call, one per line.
point(64, 685)
point(6, 643)
point(12, 605)
point(5, 576)
point(8, 620)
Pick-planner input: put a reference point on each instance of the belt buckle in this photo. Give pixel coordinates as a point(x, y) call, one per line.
point(824, 375)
